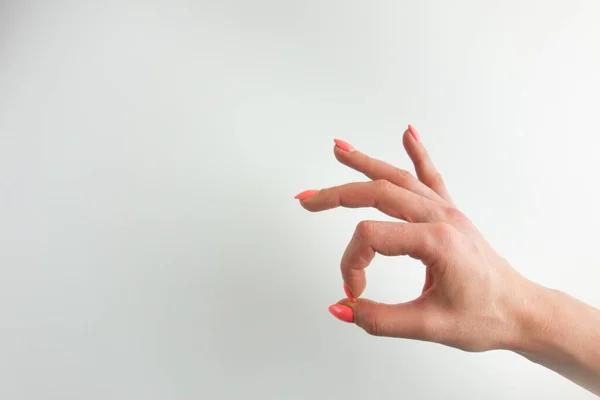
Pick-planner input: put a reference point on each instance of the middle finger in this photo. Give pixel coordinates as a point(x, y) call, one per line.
point(376, 169)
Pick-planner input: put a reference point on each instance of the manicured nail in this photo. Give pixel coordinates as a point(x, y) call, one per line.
point(306, 194)
point(414, 133)
point(348, 293)
point(342, 312)
point(344, 145)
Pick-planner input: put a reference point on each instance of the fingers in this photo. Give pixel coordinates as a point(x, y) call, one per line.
point(376, 170)
point(390, 199)
point(422, 241)
point(406, 320)
point(426, 171)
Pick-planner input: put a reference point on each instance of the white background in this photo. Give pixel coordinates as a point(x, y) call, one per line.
point(150, 246)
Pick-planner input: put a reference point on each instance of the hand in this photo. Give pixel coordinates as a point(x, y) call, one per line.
point(471, 293)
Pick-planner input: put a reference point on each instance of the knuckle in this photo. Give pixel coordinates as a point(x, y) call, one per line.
point(431, 176)
point(331, 197)
point(403, 176)
point(454, 215)
point(364, 229)
point(371, 324)
point(444, 232)
point(437, 180)
point(382, 185)
point(368, 165)
point(382, 188)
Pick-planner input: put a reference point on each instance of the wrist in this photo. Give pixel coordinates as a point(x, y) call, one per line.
point(561, 333)
point(532, 317)
point(548, 323)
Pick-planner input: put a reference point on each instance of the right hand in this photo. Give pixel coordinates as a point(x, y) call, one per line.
point(471, 294)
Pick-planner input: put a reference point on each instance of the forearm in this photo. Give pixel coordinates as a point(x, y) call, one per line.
point(560, 333)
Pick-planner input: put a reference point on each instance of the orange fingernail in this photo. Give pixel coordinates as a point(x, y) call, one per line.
point(344, 145)
point(414, 133)
point(348, 293)
point(342, 312)
point(306, 194)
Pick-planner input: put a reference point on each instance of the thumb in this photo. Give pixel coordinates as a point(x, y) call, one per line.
point(405, 320)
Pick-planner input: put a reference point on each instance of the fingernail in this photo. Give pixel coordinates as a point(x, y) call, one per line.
point(342, 312)
point(306, 194)
point(348, 293)
point(344, 145)
point(414, 133)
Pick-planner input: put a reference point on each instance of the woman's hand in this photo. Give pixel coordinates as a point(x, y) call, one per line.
point(472, 298)
point(470, 295)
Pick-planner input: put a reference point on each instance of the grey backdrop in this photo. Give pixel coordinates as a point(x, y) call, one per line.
point(150, 246)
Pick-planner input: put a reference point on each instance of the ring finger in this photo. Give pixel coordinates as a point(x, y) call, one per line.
point(388, 198)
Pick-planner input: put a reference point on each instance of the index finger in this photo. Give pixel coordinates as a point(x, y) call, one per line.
point(386, 238)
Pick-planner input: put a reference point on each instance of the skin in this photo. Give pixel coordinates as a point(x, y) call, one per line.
point(472, 299)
